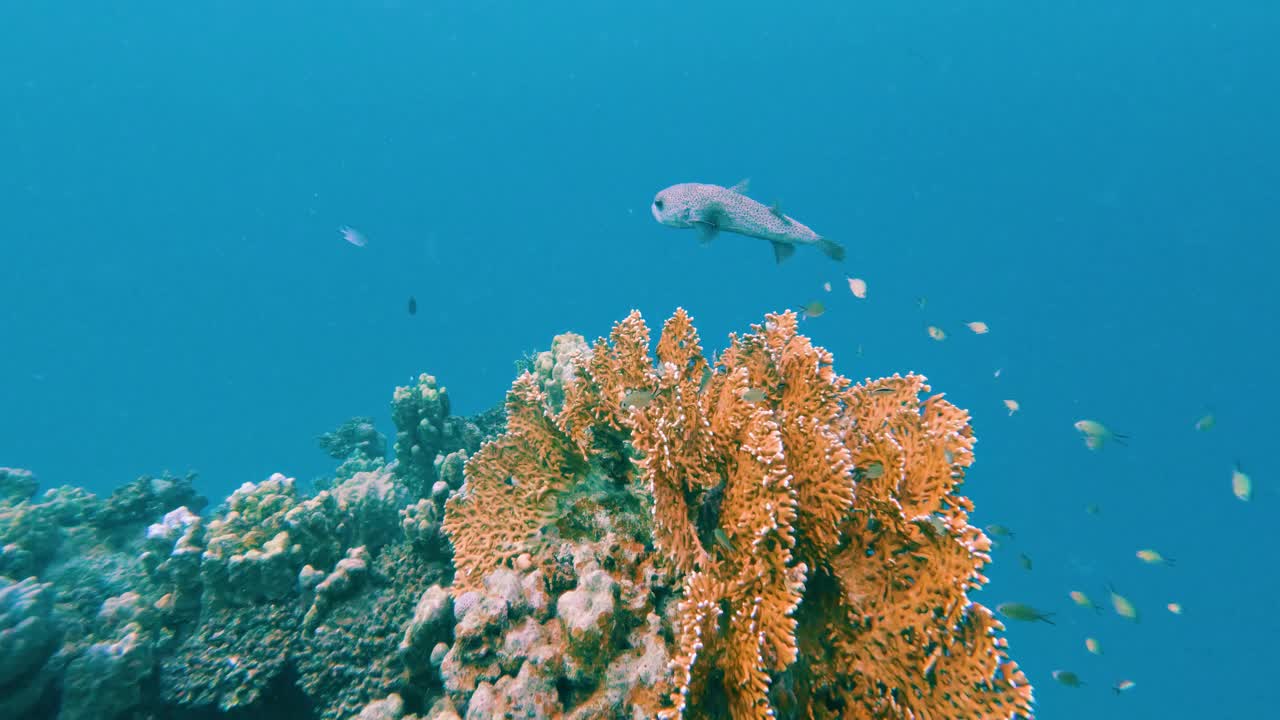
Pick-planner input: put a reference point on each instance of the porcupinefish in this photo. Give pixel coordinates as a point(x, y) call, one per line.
point(711, 209)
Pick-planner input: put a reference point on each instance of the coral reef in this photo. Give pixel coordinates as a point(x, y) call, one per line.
point(28, 638)
point(358, 444)
point(426, 430)
point(775, 483)
point(632, 535)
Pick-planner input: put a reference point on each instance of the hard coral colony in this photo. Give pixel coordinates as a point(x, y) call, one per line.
point(750, 537)
point(806, 589)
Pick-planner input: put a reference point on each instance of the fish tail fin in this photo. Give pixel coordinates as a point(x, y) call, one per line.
point(831, 248)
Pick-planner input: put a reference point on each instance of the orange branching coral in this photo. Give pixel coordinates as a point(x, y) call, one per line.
point(882, 563)
point(825, 554)
point(507, 497)
point(594, 399)
point(901, 637)
point(673, 438)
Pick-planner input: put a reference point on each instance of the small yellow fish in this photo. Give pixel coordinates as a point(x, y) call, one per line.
point(1151, 557)
point(1083, 601)
point(1096, 434)
point(1206, 423)
point(813, 309)
point(936, 333)
point(858, 287)
point(637, 399)
point(1013, 406)
point(1123, 607)
point(1175, 608)
point(1241, 485)
point(1024, 612)
point(1091, 644)
point(978, 327)
point(753, 396)
point(1068, 678)
point(1123, 685)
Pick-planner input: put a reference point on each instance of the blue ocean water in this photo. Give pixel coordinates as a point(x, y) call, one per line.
point(1099, 182)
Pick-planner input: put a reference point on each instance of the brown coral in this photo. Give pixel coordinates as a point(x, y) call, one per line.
point(824, 552)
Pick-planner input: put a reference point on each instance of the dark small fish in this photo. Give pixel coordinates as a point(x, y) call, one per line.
point(1068, 678)
point(1025, 559)
point(413, 305)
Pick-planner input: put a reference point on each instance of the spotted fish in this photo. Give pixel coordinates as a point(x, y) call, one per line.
point(711, 209)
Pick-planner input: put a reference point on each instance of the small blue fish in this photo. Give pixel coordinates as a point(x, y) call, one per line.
point(711, 208)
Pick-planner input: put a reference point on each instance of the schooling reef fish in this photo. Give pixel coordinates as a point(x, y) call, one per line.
point(711, 209)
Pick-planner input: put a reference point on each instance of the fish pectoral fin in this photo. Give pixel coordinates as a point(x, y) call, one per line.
point(776, 210)
point(706, 231)
point(782, 251)
point(742, 186)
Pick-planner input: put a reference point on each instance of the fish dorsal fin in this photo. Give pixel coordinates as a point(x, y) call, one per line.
point(742, 186)
point(782, 251)
point(776, 210)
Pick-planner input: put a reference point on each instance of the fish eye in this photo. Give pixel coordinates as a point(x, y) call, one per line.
point(658, 204)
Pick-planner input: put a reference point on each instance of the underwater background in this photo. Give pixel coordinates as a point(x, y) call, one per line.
point(1098, 182)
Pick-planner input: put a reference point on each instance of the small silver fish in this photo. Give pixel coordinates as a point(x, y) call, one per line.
point(711, 208)
point(1023, 612)
point(637, 399)
point(353, 236)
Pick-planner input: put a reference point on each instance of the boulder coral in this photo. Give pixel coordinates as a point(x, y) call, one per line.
point(811, 527)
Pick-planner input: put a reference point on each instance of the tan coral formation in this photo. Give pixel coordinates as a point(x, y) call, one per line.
point(813, 525)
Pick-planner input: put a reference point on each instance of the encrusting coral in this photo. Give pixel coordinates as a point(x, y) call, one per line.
point(822, 551)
